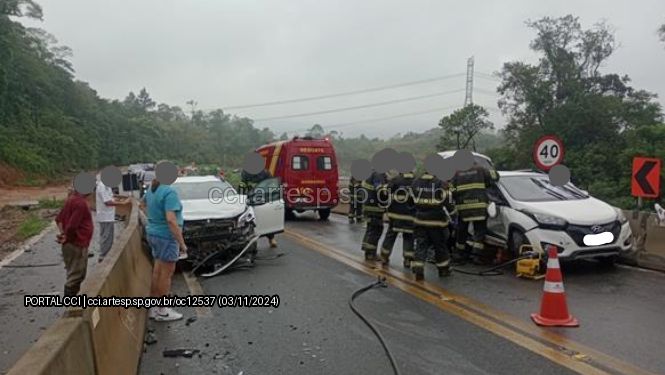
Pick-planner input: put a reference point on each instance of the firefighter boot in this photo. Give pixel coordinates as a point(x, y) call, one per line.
point(407, 263)
point(444, 271)
point(418, 268)
point(370, 256)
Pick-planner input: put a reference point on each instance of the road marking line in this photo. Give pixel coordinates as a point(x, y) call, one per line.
point(499, 323)
point(195, 289)
point(26, 245)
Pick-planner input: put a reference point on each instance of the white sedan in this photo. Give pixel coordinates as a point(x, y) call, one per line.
point(530, 210)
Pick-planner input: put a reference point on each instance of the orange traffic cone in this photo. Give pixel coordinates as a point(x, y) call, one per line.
point(553, 308)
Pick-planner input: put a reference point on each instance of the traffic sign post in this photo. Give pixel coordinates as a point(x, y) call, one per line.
point(548, 151)
point(646, 177)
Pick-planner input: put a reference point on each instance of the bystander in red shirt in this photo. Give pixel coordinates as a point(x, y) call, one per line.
point(76, 221)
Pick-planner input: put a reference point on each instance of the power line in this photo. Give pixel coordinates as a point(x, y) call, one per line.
point(487, 76)
point(347, 124)
point(359, 106)
point(345, 93)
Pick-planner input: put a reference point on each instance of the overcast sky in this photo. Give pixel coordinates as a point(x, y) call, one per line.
point(223, 53)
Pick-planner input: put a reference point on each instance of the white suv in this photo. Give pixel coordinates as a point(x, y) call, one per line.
point(530, 210)
point(220, 223)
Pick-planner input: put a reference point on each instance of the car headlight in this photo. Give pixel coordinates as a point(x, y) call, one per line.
point(246, 217)
point(549, 221)
point(620, 216)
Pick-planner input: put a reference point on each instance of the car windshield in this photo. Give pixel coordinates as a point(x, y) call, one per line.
point(537, 188)
point(203, 189)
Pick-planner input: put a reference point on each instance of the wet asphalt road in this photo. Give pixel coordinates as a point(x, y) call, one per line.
point(21, 326)
point(313, 331)
point(620, 309)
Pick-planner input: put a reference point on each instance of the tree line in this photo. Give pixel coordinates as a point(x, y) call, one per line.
point(602, 119)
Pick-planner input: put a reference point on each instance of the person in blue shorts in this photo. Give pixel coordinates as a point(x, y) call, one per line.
point(164, 231)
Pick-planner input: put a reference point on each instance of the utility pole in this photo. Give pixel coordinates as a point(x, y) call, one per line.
point(468, 99)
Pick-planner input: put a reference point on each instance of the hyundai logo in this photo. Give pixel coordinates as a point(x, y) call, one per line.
point(597, 229)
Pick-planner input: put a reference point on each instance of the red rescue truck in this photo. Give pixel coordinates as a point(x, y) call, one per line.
point(307, 168)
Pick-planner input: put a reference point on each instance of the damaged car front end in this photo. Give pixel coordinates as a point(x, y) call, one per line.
point(218, 230)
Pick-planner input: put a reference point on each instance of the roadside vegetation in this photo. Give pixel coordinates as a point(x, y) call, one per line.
point(31, 226)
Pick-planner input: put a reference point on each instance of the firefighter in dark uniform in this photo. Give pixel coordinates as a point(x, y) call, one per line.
point(400, 217)
point(471, 201)
point(355, 201)
point(248, 183)
point(373, 212)
point(433, 203)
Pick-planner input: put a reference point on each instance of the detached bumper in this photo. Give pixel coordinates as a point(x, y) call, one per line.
point(569, 249)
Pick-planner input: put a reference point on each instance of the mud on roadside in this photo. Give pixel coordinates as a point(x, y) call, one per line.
point(11, 219)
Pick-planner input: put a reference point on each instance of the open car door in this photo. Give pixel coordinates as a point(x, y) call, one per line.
point(266, 199)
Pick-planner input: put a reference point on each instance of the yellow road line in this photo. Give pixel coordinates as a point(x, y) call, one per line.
point(196, 289)
point(561, 350)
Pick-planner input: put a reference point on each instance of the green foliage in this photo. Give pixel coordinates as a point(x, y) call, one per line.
point(31, 226)
point(602, 120)
point(51, 203)
point(50, 123)
point(417, 144)
point(462, 127)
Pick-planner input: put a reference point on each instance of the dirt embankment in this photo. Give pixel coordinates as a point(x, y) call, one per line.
point(13, 189)
point(9, 175)
point(18, 224)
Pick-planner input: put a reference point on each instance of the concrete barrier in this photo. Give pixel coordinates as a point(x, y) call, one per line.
point(104, 340)
point(64, 348)
point(649, 244)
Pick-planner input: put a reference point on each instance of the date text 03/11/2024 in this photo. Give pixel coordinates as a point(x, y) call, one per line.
point(83, 301)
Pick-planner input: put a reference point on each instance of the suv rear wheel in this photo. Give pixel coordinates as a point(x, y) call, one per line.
point(515, 241)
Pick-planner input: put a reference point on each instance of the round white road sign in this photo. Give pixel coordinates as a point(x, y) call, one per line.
point(547, 152)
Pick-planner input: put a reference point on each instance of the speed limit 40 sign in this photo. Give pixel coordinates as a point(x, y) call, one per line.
point(547, 152)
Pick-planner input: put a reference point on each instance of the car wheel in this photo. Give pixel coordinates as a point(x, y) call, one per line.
point(288, 214)
point(324, 214)
point(607, 261)
point(515, 241)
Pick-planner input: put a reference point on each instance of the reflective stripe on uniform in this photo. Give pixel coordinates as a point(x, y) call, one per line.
point(385, 251)
point(367, 186)
point(477, 245)
point(474, 218)
point(409, 254)
point(429, 202)
point(470, 206)
point(431, 223)
point(373, 208)
point(460, 246)
point(368, 246)
point(445, 263)
point(402, 230)
point(395, 216)
point(472, 186)
point(553, 287)
point(417, 264)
